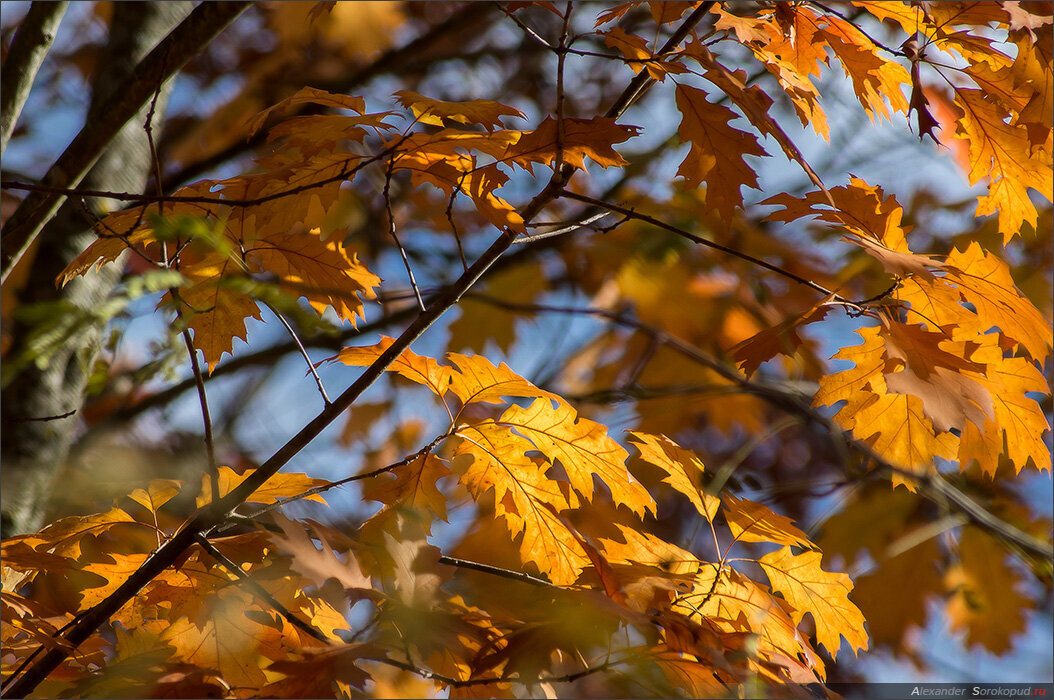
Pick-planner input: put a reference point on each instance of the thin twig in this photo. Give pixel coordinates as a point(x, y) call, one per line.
point(281, 502)
point(203, 401)
point(391, 230)
point(521, 576)
point(209, 518)
point(43, 419)
point(561, 57)
point(711, 244)
point(568, 228)
point(259, 590)
point(453, 226)
point(303, 353)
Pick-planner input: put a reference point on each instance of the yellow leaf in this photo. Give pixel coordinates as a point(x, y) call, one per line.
point(432, 111)
point(985, 282)
point(582, 447)
point(278, 486)
point(409, 365)
point(495, 458)
point(683, 470)
point(156, 494)
point(754, 522)
point(478, 380)
point(825, 595)
point(897, 428)
point(414, 486)
point(1003, 153)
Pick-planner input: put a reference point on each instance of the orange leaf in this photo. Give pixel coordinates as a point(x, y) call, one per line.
point(754, 522)
point(582, 137)
point(431, 111)
point(716, 156)
point(582, 447)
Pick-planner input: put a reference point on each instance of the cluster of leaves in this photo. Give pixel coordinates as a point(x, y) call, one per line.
point(702, 626)
point(574, 528)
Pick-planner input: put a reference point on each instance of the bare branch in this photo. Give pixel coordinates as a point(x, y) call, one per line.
point(303, 353)
point(30, 45)
point(387, 194)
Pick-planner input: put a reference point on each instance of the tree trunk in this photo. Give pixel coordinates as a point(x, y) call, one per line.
point(33, 451)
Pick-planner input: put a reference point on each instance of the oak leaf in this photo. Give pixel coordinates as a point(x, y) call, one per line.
point(683, 470)
point(582, 138)
point(277, 487)
point(716, 155)
point(825, 595)
point(427, 110)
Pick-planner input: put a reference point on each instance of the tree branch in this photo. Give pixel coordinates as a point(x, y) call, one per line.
point(183, 42)
point(30, 45)
point(213, 515)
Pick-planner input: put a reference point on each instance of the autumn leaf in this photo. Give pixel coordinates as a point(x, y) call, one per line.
point(582, 138)
point(277, 487)
point(984, 597)
point(754, 522)
point(582, 447)
point(414, 486)
point(409, 365)
point(781, 339)
point(486, 113)
point(809, 589)
point(716, 155)
point(491, 457)
point(683, 470)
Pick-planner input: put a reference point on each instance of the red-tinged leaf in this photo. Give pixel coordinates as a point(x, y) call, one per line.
point(431, 111)
point(752, 101)
point(781, 339)
point(825, 595)
point(666, 11)
point(716, 155)
point(614, 13)
point(317, 673)
point(876, 80)
point(277, 487)
point(592, 138)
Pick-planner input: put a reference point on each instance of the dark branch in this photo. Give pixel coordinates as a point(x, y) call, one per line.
point(183, 42)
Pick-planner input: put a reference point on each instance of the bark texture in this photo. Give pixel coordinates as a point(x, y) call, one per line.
point(34, 452)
